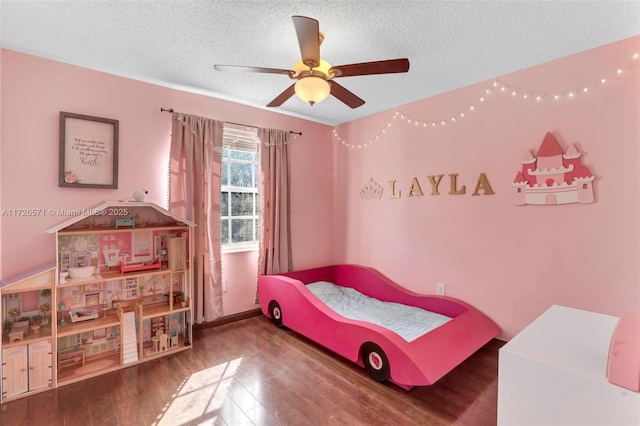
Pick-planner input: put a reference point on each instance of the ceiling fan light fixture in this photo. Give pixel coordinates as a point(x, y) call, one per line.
point(301, 68)
point(314, 77)
point(312, 89)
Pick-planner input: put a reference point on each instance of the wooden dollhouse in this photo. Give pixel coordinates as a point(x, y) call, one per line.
point(27, 338)
point(115, 296)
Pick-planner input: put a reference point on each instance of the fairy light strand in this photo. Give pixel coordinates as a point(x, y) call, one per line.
point(497, 87)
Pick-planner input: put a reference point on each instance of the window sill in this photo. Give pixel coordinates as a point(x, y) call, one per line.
point(239, 248)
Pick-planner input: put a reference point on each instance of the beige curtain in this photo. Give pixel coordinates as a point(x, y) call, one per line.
point(194, 193)
point(275, 230)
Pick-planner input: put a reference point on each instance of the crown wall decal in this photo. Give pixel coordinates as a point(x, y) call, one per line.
point(371, 190)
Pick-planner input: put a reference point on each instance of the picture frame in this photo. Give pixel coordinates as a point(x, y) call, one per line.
point(71, 297)
point(88, 153)
point(92, 287)
point(131, 288)
point(92, 299)
point(131, 294)
point(100, 333)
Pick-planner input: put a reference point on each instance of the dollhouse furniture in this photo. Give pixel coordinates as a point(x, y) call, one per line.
point(136, 267)
point(81, 314)
point(554, 372)
point(288, 301)
point(173, 340)
point(155, 340)
point(111, 313)
point(18, 330)
point(124, 222)
point(164, 342)
point(70, 358)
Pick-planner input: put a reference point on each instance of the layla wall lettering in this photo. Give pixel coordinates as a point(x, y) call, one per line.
point(553, 176)
point(88, 151)
point(483, 187)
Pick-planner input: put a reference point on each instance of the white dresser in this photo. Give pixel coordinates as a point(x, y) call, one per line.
point(554, 373)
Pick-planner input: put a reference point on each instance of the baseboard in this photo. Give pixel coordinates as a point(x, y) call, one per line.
point(228, 319)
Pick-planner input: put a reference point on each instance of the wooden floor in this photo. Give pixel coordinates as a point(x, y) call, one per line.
point(250, 372)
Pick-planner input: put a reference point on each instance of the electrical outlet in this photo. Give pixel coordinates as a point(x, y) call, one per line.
point(441, 289)
point(224, 286)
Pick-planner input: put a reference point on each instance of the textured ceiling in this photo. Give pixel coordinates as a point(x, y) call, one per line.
point(450, 44)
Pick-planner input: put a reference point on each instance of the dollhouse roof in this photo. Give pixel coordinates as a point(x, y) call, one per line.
point(99, 212)
point(31, 273)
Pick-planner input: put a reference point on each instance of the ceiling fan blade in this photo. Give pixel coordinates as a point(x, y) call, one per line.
point(389, 66)
point(253, 69)
point(282, 97)
point(308, 31)
point(345, 95)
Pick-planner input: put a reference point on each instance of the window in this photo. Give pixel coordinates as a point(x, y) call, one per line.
point(239, 202)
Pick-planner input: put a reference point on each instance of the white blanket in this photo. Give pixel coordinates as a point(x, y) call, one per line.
point(407, 321)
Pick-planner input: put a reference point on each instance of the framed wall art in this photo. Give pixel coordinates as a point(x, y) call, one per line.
point(92, 287)
point(88, 151)
point(131, 288)
point(92, 299)
point(100, 333)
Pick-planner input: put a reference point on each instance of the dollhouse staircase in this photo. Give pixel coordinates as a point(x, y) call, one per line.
point(129, 341)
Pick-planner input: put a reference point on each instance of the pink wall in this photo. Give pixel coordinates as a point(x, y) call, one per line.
point(1, 164)
point(35, 90)
point(240, 274)
point(511, 262)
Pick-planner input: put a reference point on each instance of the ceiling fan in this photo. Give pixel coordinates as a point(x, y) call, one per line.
point(315, 76)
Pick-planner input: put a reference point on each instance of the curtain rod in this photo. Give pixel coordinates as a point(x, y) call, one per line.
point(229, 122)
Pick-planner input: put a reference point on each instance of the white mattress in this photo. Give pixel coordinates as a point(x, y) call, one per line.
point(407, 321)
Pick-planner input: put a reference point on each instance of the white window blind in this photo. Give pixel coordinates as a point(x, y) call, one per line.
point(239, 202)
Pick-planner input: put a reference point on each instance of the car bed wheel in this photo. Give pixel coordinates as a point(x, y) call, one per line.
point(276, 313)
point(375, 362)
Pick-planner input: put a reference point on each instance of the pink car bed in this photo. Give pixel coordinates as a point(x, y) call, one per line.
point(351, 327)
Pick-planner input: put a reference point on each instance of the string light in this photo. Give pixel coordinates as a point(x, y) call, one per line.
point(516, 92)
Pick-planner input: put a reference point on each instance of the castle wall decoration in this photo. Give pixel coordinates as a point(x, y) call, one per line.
point(553, 176)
